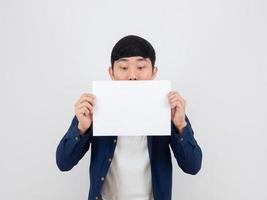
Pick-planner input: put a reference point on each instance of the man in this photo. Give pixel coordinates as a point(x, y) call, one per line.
point(130, 168)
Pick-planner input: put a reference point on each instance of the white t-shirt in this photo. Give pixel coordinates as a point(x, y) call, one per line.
point(129, 175)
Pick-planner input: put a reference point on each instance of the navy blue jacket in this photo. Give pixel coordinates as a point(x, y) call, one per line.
point(73, 146)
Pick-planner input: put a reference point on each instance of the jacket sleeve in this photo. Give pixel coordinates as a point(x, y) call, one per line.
point(73, 146)
point(185, 149)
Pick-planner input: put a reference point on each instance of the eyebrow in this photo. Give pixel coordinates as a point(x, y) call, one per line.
point(125, 59)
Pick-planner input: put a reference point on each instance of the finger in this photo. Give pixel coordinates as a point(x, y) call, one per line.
point(174, 97)
point(87, 105)
point(87, 95)
point(90, 100)
point(84, 111)
point(177, 98)
point(172, 94)
point(80, 104)
point(177, 105)
point(175, 94)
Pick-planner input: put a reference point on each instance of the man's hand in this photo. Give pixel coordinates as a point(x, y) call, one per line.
point(177, 103)
point(84, 111)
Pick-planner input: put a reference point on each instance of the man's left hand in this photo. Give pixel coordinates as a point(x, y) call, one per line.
point(177, 103)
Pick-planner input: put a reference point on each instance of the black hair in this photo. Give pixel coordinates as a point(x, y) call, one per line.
point(133, 45)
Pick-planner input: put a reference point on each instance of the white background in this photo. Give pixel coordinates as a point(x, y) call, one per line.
point(214, 52)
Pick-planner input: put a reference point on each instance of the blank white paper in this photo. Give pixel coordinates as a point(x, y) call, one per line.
point(131, 108)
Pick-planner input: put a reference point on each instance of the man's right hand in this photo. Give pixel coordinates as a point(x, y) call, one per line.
point(84, 111)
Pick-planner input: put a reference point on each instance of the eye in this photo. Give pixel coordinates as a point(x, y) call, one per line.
point(124, 68)
point(140, 67)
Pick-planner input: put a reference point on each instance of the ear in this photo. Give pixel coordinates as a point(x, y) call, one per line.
point(111, 73)
point(154, 72)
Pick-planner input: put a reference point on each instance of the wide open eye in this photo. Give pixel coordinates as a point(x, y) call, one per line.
point(123, 68)
point(140, 67)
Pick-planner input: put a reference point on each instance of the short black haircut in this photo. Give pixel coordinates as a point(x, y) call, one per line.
point(132, 45)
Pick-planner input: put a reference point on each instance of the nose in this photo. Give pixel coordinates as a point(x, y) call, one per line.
point(132, 75)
